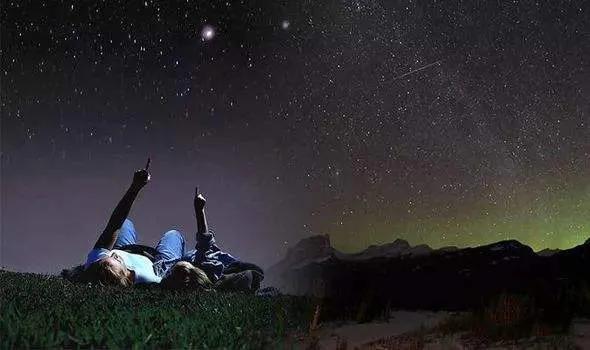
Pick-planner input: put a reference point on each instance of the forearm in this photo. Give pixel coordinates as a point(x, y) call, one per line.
point(122, 209)
point(204, 238)
point(201, 221)
point(121, 212)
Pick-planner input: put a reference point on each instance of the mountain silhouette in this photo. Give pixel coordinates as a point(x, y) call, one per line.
point(399, 275)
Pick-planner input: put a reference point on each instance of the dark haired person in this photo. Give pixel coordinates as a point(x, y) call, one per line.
point(223, 270)
point(109, 262)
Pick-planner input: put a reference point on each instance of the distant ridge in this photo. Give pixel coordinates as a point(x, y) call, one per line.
point(548, 252)
point(401, 275)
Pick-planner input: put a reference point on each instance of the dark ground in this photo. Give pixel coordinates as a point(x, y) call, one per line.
point(44, 311)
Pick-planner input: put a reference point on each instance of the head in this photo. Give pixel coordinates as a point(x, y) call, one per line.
point(110, 270)
point(184, 275)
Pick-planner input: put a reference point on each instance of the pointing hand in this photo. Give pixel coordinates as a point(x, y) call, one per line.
point(199, 200)
point(142, 176)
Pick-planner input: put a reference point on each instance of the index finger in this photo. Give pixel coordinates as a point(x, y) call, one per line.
point(147, 165)
point(196, 190)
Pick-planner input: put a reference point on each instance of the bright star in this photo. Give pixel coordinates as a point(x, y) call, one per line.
point(207, 33)
point(285, 24)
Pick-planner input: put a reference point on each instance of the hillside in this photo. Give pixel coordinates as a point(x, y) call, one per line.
point(47, 312)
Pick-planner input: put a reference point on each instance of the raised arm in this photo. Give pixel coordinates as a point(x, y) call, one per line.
point(204, 237)
point(109, 236)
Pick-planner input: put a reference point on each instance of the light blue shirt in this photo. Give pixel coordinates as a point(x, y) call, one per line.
point(142, 266)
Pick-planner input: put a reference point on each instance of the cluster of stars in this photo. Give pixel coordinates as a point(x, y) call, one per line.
point(427, 121)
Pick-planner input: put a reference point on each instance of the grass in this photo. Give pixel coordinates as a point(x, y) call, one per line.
point(507, 318)
point(45, 311)
point(39, 311)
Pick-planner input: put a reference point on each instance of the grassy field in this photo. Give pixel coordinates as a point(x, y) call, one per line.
point(43, 311)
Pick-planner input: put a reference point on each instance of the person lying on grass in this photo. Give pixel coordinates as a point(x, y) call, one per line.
point(112, 260)
point(207, 263)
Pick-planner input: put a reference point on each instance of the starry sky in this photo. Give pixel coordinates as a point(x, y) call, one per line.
point(440, 122)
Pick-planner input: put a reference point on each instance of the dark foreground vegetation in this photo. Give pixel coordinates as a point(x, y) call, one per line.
point(507, 322)
point(45, 311)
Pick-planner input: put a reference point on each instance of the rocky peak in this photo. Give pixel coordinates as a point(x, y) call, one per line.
point(510, 246)
point(309, 248)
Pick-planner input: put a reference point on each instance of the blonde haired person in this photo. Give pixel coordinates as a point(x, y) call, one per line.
point(184, 275)
point(208, 266)
point(109, 263)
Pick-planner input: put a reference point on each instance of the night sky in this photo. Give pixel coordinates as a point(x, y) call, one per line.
point(440, 122)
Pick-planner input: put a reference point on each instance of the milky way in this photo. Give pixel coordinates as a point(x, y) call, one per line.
point(445, 123)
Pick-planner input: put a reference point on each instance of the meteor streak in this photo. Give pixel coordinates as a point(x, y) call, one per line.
point(416, 70)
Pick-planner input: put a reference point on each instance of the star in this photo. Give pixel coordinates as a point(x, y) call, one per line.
point(207, 33)
point(285, 24)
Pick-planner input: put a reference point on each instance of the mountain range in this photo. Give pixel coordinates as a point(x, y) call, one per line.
point(398, 275)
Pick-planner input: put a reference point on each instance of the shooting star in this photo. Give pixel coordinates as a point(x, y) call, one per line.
point(416, 70)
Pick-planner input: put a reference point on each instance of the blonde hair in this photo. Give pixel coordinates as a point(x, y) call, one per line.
point(102, 272)
point(184, 275)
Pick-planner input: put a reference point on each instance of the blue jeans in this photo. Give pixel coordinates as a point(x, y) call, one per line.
point(169, 249)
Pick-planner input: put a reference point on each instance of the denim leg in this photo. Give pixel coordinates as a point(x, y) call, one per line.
point(127, 235)
point(190, 256)
point(170, 250)
point(170, 246)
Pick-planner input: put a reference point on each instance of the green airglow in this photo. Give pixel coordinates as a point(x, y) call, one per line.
point(546, 214)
